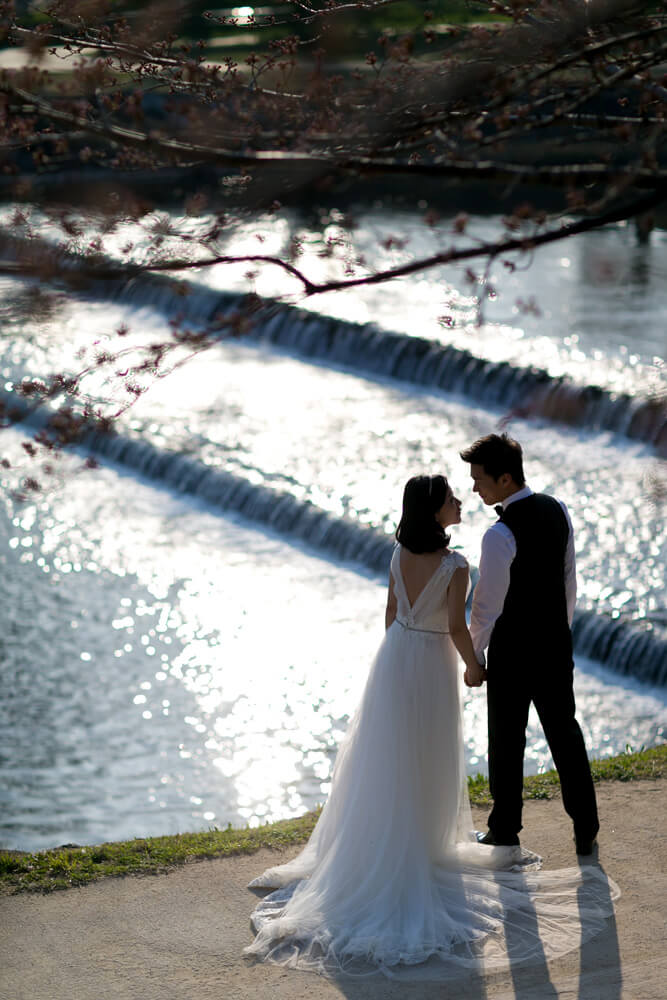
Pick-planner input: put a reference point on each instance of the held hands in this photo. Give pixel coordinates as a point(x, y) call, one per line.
point(474, 676)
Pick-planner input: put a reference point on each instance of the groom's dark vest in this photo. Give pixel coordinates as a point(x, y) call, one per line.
point(533, 626)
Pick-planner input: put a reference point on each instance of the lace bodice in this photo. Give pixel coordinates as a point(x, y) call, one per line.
point(429, 612)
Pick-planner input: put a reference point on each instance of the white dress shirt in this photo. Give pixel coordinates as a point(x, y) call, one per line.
point(498, 552)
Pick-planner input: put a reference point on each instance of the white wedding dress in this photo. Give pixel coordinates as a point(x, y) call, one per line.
point(392, 879)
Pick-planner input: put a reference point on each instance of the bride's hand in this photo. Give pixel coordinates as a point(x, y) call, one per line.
point(475, 676)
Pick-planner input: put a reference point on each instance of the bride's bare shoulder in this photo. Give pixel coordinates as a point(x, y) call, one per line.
point(457, 558)
point(419, 560)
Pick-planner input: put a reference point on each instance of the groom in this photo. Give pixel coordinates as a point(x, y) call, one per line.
point(522, 611)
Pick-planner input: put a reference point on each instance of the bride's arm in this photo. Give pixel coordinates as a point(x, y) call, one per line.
point(458, 630)
point(392, 605)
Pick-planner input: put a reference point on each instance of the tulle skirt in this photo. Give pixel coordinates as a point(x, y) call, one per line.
point(392, 879)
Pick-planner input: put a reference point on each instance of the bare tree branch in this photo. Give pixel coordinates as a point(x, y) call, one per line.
point(562, 105)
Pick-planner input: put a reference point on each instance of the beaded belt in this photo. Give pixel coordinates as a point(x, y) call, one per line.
point(428, 631)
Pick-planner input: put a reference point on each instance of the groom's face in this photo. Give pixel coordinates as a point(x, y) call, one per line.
point(489, 489)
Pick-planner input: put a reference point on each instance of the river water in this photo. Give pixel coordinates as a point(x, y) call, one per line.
point(168, 667)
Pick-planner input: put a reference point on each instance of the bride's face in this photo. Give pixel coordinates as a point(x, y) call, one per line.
point(450, 512)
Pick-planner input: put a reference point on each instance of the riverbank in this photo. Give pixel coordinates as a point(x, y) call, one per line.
point(180, 935)
point(71, 865)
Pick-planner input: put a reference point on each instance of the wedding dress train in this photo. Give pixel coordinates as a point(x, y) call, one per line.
point(392, 879)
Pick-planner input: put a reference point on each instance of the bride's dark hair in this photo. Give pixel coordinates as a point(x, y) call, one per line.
point(418, 529)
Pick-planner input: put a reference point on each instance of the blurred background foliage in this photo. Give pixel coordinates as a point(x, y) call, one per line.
point(231, 29)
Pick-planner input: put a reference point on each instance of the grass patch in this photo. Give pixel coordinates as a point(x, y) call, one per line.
point(64, 867)
point(628, 766)
point(70, 866)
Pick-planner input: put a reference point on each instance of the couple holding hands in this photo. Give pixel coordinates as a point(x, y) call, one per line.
point(393, 878)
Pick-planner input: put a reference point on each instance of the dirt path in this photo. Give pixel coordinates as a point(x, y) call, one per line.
point(179, 936)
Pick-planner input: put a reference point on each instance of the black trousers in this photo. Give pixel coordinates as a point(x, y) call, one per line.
point(510, 689)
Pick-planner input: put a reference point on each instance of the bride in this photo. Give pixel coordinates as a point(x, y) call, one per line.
point(393, 879)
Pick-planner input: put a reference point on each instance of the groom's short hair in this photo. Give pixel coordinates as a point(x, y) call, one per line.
point(497, 453)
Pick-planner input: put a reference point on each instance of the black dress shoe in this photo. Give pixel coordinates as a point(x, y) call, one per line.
point(585, 845)
point(489, 839)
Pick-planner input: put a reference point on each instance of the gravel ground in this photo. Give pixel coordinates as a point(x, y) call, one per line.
point(180, 936)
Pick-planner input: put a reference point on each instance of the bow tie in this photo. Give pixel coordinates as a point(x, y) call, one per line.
point(499, 509)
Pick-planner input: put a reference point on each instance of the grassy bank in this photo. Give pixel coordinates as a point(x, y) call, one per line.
point(64, 867)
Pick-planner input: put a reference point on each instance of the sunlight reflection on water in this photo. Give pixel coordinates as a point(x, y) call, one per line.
point(221, 667)
point(167, 668)
point(258, 413)
point(592, 307)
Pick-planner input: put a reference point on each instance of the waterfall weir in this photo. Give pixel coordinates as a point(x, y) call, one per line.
point(621, 645)
point(367, 349)
point(527, 392)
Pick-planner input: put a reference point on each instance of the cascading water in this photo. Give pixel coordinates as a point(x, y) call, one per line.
point(329, 483)
point(157, 654)
point(620, 646)
point(523, 391)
